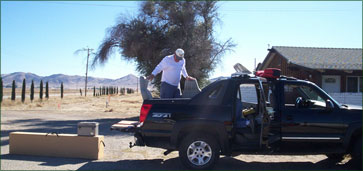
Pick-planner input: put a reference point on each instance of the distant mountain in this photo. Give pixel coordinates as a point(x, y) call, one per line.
point(69, 81)
point(73, 81)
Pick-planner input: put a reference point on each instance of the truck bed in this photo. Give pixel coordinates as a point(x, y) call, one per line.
point(168, 101)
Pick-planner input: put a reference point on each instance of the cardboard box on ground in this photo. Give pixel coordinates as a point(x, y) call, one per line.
point(56, 145)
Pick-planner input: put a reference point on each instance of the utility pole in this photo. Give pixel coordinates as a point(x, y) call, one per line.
point(85, 87)
point(88, 54)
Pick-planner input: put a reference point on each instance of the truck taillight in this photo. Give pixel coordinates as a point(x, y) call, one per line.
point(145, 108)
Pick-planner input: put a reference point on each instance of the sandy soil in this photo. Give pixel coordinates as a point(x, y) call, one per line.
point(128, 105)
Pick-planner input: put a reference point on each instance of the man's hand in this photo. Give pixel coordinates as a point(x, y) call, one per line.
point(150, 77)
point(190, 78)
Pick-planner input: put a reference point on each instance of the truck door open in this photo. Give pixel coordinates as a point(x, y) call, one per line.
point(251, 121)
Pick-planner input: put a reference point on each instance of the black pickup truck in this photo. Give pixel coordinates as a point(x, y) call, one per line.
point(247, 114)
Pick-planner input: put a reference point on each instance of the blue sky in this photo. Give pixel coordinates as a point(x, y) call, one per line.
point(41, 36)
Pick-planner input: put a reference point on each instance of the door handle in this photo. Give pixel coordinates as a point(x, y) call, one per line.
point(289, 117)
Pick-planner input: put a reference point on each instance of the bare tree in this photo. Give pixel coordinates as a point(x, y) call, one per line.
point(160, 28)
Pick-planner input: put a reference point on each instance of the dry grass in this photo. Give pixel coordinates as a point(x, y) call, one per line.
point(127, 105)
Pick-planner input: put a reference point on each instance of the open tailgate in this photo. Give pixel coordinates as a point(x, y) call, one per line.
point(126, 126)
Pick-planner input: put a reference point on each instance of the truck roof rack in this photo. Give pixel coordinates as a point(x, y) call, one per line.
point(241, 71)
point(240, 75)
point(269, 73)
point(284, 77)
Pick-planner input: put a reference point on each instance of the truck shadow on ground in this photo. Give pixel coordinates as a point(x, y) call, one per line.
point(59, 126)
point(225, 163)
point(46, 161)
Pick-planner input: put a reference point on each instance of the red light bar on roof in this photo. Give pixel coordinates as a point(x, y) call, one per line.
point(269, 73)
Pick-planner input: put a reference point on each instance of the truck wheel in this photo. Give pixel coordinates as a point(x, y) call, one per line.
point(357, 154)
point(199, 152)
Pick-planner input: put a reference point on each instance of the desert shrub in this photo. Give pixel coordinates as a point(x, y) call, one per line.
point(62, 90)
point(13, 91)
point(47, 90)
point(32, 91)
point(41, 90)
point(23, 91)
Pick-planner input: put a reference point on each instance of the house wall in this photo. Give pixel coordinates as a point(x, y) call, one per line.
point(348, 98)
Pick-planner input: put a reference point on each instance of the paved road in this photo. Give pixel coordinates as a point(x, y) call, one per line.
point(118, 156)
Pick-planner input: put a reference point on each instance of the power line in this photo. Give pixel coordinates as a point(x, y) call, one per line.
point(270, 9)
point(82, 4)
point(288, 10)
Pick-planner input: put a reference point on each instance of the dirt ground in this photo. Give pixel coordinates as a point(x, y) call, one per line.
point(127, 105)
point(63, 115)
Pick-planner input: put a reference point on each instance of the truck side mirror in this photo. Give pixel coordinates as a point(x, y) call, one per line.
point(329, 105)
point(299, 102)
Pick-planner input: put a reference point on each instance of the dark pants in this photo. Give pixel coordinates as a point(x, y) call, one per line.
point(169, 91)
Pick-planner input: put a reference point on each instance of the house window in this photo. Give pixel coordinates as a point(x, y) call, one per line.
point(330, 80)
point(354, 84)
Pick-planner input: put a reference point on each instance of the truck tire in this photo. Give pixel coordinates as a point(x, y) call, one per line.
point(357, 154)
point(199, 151)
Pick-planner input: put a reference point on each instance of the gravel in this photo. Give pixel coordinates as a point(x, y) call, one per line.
point(117, 154)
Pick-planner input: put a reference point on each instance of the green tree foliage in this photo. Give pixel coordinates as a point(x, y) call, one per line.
point(23, 91)
point(32, 91)
point(1, 89)
point(62, 90)
point(160, 28)
point(47, 90)
point(13, 91)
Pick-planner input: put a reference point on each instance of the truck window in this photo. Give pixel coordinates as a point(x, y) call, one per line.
point(309, 95)
point(248, 93)
point(215, 92)
point(267, 89)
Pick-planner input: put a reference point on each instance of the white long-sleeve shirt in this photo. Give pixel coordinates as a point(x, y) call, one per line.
point(172, 70)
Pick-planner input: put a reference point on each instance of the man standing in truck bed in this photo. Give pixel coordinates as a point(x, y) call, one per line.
point(173, 66)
